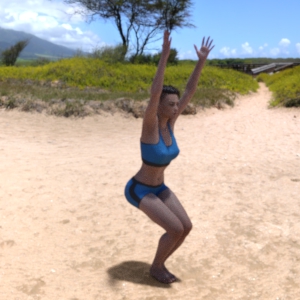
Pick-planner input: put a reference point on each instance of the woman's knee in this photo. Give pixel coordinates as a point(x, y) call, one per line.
point(181, 230)
point(187, 227)
point(176, 230)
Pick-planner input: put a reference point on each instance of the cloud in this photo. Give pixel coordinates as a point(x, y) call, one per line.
point(265, 45)
point(50, 20)
point(283, 50)
point(247, 49)
point(228, 52)
point(284, 43)
point(274, 51)
point(298, 47)
point(187, 55)
point(233, 52)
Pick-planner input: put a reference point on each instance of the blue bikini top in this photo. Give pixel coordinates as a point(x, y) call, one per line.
point(159, 155)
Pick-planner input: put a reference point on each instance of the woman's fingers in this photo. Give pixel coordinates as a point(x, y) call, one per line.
point(206, 47)
point(207, 41)
point(208, 44)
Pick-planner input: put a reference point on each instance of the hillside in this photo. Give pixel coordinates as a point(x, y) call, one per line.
point(36, 47)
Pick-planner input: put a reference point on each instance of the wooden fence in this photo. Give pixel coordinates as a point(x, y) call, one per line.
point(255, 69)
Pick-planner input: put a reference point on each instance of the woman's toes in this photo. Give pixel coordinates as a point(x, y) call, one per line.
point(162, 275)
point(172, 277)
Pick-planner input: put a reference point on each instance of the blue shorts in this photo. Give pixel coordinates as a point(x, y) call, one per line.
point(135, 191)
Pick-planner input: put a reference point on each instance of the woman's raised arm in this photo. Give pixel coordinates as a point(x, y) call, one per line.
point(158, 80)
point(192, 83)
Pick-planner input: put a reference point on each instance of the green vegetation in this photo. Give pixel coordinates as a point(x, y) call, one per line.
point(90, 79)
point(154, 58)
point(285, 87)
point(32, 62)
point(123, 77)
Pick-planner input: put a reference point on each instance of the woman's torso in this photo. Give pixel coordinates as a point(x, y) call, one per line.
point(156, 156)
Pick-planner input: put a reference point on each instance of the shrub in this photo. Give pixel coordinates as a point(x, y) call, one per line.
point(40, 61)
point(154, 58)
point(10, 55)
point(109, 54)
point(141, 59)
point(284, 86)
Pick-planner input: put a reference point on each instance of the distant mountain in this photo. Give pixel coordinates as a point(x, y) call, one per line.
point(36, 47)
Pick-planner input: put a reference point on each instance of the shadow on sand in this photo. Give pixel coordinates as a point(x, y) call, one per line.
point(134, 271)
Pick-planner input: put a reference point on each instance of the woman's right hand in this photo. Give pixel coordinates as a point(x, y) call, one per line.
point(206, 47)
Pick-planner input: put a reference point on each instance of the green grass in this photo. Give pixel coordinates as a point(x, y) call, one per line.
point(87, 79)
point(284, 86)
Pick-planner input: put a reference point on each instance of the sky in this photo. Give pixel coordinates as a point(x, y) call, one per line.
point(239, 28)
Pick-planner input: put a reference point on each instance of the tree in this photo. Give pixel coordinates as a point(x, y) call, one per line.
point(154, 59)
point(10, 55)
point(110, 54)
point(174, 13)
point(138, 21)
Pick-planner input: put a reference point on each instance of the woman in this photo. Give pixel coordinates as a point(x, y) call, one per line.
point(146, 190)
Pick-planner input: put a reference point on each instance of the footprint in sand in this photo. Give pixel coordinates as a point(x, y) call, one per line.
point(7, 244)
point(34, 287)
point(295, 180)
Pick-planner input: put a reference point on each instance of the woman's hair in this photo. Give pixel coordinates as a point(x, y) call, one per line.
point(169, 89)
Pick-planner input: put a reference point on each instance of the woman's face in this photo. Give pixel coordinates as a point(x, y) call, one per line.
point(169, 105)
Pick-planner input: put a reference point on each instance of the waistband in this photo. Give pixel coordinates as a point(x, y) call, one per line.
point(151, 186)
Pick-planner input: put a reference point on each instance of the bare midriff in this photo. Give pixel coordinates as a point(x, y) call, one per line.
point(150, 175)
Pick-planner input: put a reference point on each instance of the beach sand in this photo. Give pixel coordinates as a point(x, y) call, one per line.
point(67, 232)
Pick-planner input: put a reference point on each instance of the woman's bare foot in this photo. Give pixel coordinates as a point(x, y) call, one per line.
point(172, 276)
point(162, 275)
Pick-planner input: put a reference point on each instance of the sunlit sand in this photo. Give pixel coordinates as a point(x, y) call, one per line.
point(67, 232)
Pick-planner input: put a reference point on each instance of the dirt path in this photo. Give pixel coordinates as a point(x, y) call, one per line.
point(66, 231)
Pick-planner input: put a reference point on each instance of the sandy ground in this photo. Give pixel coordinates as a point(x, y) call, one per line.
point(67, 232)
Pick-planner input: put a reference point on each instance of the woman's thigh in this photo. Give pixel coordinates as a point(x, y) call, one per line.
point(161, 214)
point(172, 202)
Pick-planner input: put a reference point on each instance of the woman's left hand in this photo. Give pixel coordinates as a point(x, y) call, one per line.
point(206, 47)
